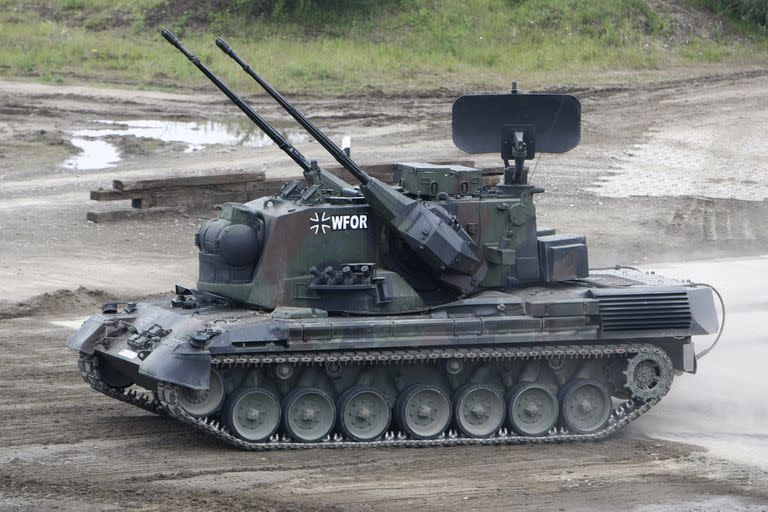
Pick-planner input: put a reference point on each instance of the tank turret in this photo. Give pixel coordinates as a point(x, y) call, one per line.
point(441, 236)
point(438, 237)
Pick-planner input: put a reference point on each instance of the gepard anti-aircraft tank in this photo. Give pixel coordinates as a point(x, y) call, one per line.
point(435, 312)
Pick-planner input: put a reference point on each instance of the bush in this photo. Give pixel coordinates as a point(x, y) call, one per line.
point(751, 11)
point(312, 12)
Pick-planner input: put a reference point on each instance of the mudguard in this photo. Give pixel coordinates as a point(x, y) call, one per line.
point(178, 362)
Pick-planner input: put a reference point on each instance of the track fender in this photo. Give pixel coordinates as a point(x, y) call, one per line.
point(178, 362)
point(89, 335)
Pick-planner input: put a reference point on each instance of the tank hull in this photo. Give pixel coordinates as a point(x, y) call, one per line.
point(560, 362)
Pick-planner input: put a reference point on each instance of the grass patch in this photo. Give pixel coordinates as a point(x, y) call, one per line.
point(396, 45)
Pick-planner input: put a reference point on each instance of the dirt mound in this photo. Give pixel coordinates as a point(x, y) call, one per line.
point(687, 22)
point(55, 302)
point(48, 137)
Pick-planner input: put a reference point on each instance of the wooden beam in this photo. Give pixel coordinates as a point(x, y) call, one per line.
point(108, 195)
point(129, 213)
point(187, 181)
point(162, 195)
point(267, 187)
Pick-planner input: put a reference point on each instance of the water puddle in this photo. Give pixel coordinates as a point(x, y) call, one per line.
point(98, 152)
point(94, 154)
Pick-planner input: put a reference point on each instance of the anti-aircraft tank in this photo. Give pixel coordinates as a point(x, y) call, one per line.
point(435, 312)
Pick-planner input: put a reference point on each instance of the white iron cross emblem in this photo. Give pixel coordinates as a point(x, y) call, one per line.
point(319, 223)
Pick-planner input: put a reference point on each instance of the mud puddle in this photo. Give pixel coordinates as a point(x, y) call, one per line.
point(98, 153)
point(723, 407)
point(94, 154)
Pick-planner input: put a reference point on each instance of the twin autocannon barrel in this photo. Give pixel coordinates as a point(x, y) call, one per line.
point(267, 128)
point(324, 141)
point(431, 231)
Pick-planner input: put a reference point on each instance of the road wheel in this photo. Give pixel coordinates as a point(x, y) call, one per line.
point(585, 406)
point(252, 414)
point(203, 402)
point(423, 411)
point(308, 414)
point(364, 414)
point(532, 409)
point(478, 410)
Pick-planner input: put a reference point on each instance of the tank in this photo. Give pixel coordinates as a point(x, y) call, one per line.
point(434, 312)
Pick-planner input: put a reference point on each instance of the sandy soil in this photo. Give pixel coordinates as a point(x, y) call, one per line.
point(690, 153)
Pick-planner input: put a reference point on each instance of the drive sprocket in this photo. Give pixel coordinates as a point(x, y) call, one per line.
point(649, 374)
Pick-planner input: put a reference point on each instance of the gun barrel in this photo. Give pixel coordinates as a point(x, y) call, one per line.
point(262, 123)
point(324, 141)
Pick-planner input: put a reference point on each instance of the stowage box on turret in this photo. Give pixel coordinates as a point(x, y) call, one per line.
point(435, 312)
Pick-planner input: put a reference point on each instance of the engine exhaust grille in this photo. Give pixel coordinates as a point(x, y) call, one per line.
point(635, 311)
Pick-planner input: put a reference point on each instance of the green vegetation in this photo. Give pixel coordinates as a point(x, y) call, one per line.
point(748, 11)
point(341, 46)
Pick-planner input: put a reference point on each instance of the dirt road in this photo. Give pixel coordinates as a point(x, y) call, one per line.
point(690, 153)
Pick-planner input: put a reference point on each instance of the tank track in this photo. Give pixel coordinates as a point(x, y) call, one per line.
point(167, 401)
point(89, 369)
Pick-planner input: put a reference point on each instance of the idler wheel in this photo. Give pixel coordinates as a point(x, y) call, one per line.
point(423, 411)
point(649, 375)
point(364, 414)
point(308, 414)
point(203, 402)
point(252, 414)
point(532, 409)
point(585, 406)
point(111, 376)
point(478, 410)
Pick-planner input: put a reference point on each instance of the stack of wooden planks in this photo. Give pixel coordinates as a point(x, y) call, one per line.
point(159, 195)
point(162, 195)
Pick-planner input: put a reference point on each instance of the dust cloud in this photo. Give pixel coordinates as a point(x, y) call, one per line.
point(724, 406)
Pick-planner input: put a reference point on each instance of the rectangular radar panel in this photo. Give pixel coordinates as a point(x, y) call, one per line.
point(478, 120)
